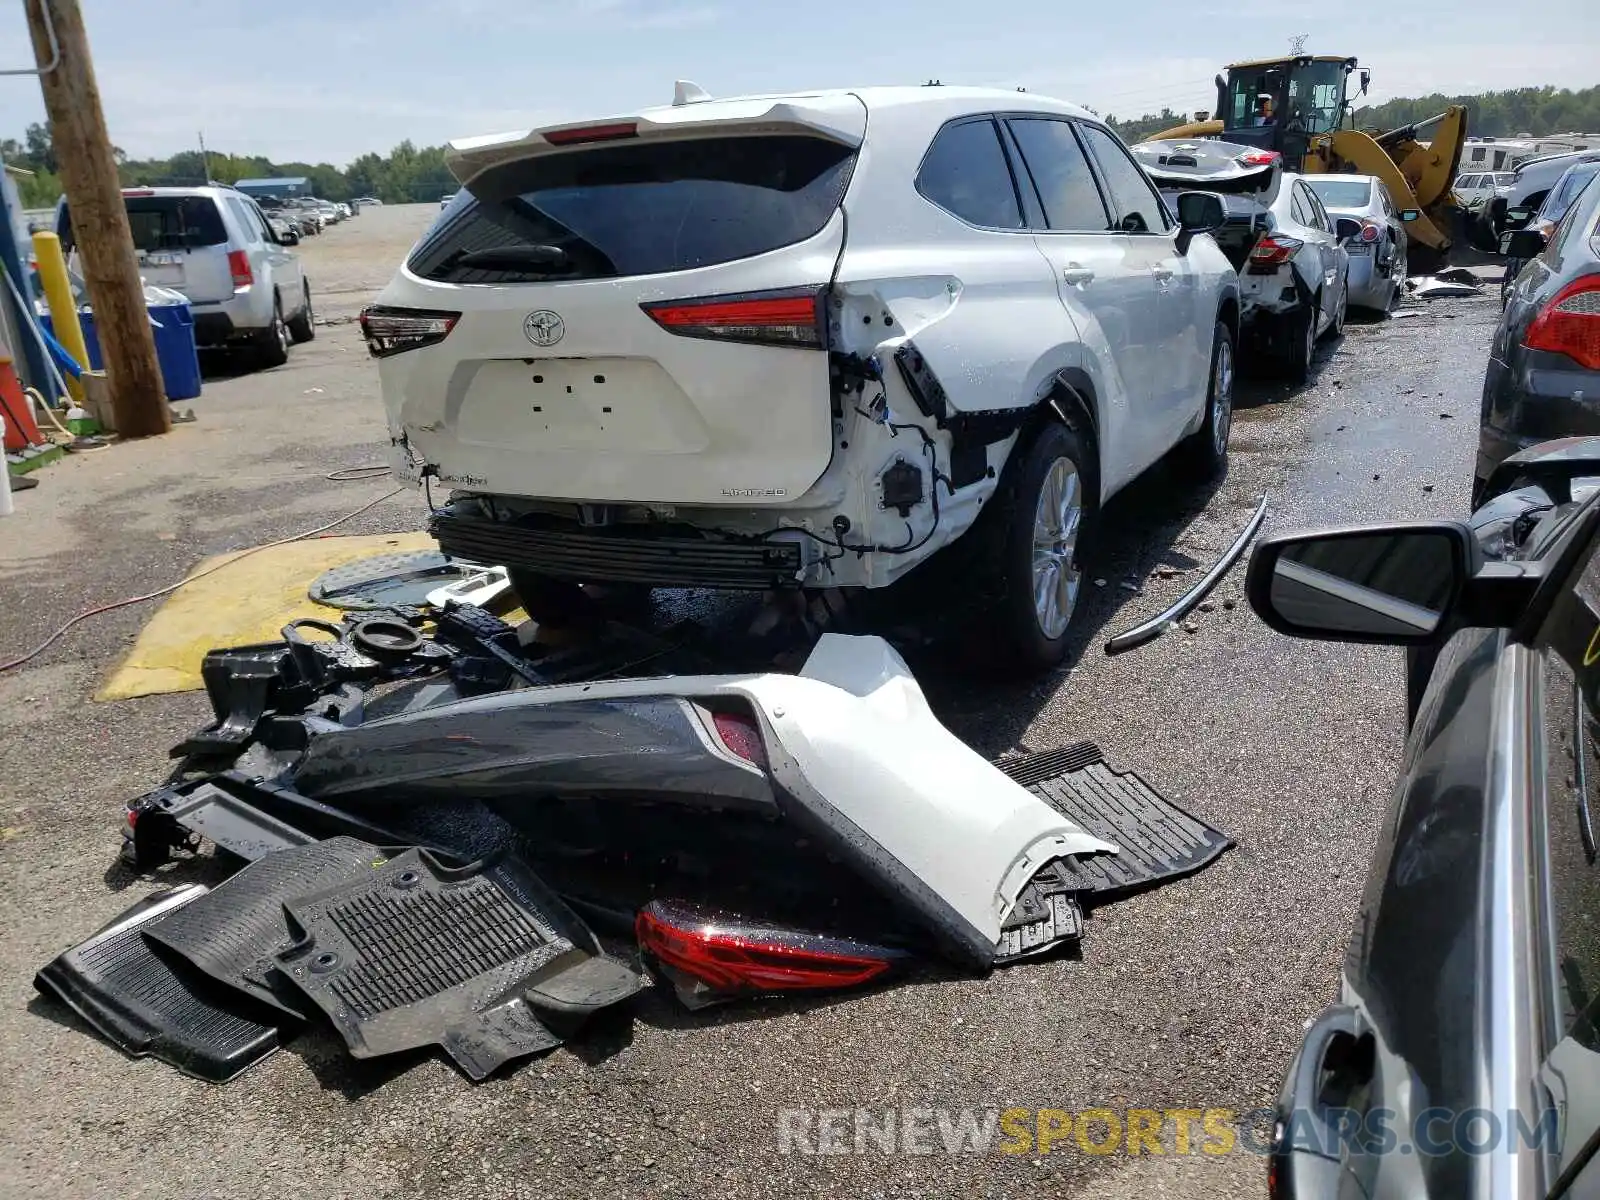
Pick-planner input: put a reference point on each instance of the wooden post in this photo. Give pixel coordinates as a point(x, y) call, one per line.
point(99, 220)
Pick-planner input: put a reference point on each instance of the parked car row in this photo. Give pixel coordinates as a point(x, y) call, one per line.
point(230, 260)
point(299, 217)
point(1306, 246)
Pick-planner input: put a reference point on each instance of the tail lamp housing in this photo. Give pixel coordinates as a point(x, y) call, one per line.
point(239, 268)
point(794, 317)
point(712, 956)
point(1272, 251)
point(1569, 323)
point(388, 331)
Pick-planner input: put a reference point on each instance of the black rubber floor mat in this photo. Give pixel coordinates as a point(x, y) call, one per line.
point(414, 954)
point(146, 1006)
point(235, 933)
point(1157, 839)
point(1047, 764)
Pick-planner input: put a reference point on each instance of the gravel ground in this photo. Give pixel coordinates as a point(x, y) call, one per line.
point(1192, 996)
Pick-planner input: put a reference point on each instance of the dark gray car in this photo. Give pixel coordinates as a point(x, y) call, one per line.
point(1462, 1056)
point(1543, 379)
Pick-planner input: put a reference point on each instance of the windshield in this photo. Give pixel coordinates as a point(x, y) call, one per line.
point(639, 209)
point(1315, 97)
point(1564, 193)
point(1341, 193)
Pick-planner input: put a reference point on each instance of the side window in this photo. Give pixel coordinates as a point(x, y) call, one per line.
point(1297, 207)
point(1056, 161)
point(965, 172)
point(243, 218)
point(1385, 200)
point(1318, 215)
point(1138, 207)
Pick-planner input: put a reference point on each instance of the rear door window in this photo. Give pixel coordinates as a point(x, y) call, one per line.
point(1062, 174)
point(965, 172)
point(642, 208)
point(1138, 206)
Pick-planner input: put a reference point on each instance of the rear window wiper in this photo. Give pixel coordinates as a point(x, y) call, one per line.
point(512, 258)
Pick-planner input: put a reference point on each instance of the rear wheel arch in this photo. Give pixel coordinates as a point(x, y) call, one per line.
point(1228, 314)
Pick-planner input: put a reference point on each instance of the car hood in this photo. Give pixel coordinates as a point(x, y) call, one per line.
point(1212, 166)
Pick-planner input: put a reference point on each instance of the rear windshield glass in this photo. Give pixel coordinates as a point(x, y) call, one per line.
point(639, 209)
point(1342, 193)
point(168, 223)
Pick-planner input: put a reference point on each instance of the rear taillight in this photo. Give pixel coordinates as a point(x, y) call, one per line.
point(712, 955)
point(787, 318)
point(740, 737)
point(239, 268)
point(395, 330)
point(592, 133)
point(1370, 231)
point(1570, 323)
point(1258, 158)
point(1273, 250)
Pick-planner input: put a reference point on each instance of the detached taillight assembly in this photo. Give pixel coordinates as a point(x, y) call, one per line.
point(395, 330)
point(239, 268)
point(711, 956)
point(1258, 158)
point(740, 736)
point(1273, 250)
point(792, 317)
point(1570, 323)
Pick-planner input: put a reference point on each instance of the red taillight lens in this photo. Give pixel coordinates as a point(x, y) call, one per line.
point(741, 737)
point(730, 956)
point(1273, 250)
point(1258, 158)
point(239, 268)
point(1369, 231)
point(592, 133)
point(395, 330)
point(1570, 323)
point(787, 318)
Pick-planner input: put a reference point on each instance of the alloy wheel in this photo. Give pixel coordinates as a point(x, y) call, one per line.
point(1056, 519)
point(1222, 397)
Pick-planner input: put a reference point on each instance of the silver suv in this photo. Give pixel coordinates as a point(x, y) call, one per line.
point(214, 245)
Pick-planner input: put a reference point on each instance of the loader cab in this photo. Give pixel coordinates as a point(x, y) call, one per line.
point(1279, 104)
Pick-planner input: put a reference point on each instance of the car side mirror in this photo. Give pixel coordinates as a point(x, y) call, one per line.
point(1198, 212)
point(1383, 584)
point(1410, 214)
point(1522, 243)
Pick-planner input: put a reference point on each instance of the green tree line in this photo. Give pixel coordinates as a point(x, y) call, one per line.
point(1539, 111)
point(409, 173)
point(403, 175)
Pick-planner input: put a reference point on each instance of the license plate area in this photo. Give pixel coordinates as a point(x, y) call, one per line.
point(629, 404)
point(163, 258)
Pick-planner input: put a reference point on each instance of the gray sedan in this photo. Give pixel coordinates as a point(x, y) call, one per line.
point(1373, 232)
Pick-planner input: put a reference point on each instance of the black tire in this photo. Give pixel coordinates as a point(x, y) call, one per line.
point(303, 325)
point(1202, 456)
point(272, 343)
point(1335, 331)
point(1023, 646)
point(1300, 342)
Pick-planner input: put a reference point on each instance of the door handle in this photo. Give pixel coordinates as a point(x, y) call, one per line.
point(1077, 275)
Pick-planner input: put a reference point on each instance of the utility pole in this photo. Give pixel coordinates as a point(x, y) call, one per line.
point(205, 159)
point(99, 220)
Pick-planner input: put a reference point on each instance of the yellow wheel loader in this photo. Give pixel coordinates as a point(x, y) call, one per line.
point(1298, 106)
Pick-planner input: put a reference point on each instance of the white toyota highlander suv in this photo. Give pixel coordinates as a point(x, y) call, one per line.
point(805, 341)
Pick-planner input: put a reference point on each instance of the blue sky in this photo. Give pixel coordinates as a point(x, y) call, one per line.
point(328, 80)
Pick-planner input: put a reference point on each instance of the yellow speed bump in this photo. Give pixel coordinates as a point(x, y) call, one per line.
point(248, 600)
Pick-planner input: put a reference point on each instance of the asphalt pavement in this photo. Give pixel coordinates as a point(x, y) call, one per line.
point(1189, 997)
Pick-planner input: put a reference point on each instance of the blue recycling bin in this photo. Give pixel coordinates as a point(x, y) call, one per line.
point(172, 327)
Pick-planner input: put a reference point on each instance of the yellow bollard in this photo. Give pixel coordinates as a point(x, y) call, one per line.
point(63, 311)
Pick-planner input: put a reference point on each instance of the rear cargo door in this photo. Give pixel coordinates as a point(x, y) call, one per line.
point(182, 243)
point(642, 315)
